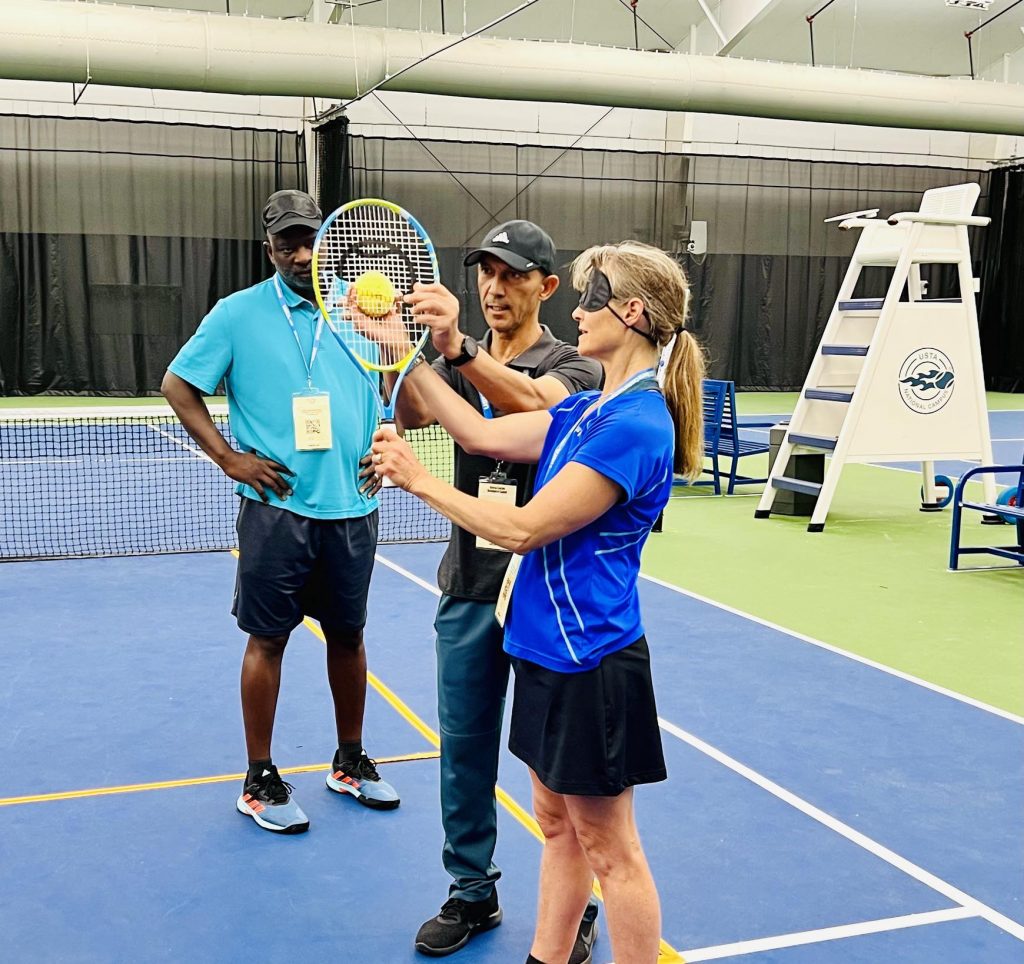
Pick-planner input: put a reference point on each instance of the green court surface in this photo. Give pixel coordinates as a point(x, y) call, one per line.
point(875, 582)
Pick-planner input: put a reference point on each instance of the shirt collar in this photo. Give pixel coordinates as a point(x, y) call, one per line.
point(291, 297)
point(530, 357)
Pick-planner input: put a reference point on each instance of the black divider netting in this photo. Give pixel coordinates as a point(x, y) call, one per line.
point(116, 482)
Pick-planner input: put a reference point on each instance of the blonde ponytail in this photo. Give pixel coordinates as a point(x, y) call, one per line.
point(684, 394)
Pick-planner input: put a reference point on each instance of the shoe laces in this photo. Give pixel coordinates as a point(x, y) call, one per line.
point(364, 768)
point(453, 909)
point(272, 787)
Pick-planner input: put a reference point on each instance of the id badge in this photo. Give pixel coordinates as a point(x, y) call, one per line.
point(505, 593)
point(311, 413)
point(495, 488)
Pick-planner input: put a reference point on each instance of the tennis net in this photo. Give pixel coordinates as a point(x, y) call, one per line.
point(129, 481)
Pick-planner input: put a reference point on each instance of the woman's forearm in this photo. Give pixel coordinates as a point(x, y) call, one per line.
point(463, 422)
point(574, 498)
point(504, 525)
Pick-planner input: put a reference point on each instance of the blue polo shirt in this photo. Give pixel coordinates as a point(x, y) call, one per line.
point(575, 601)
point(246, 341)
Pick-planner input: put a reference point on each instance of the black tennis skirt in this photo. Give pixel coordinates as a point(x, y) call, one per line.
point(593, 733)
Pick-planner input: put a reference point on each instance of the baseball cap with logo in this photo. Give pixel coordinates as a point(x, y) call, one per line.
point(288, 209)
point(520, 244)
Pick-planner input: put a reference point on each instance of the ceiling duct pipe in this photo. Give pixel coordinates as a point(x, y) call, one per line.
point(56, 40)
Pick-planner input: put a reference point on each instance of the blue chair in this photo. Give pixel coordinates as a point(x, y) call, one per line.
point(722, 436)
point(1006, 512)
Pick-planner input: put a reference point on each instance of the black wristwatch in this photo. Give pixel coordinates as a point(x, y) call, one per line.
point(469, 349)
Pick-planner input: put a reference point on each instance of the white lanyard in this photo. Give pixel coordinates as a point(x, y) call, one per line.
point(626, 386)
point(291, 323)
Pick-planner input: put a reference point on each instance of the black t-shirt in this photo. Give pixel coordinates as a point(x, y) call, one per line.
point(465, 571)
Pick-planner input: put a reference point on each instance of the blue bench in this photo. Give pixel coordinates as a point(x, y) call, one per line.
point(722, 436)
point(1015, 512)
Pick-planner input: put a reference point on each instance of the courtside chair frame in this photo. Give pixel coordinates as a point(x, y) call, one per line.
point(722, 437)
point(850, 405)
point(1014, 553)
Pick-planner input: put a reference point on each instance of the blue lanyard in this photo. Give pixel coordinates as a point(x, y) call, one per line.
point(635, 383)
point(291, 324)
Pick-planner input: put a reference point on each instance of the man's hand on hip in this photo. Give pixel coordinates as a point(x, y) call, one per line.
point(259, 473)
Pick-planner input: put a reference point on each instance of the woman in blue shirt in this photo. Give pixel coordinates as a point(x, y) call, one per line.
point(583, 717)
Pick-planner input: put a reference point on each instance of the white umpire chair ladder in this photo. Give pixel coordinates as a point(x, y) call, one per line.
point(895, 380)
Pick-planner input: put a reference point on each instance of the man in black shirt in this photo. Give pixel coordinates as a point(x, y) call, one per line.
point(519, 366)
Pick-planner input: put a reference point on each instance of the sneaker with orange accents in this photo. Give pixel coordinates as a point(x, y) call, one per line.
point(267, 799)
point(361, 779)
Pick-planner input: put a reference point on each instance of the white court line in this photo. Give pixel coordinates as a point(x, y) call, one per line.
point(934, 687)
point(826, 934)
point(113, 459)
point(198, 453)
point(972, 904)
point(412, 577)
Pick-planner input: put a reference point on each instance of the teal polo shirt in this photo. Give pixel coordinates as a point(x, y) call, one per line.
point(246, 341)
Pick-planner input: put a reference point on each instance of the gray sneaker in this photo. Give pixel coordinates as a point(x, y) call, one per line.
point(267, 799)
point(586, 938)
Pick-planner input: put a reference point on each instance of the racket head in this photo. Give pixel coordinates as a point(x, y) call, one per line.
point(367, 239)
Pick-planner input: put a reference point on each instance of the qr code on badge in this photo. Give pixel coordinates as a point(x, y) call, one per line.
point(312, 426)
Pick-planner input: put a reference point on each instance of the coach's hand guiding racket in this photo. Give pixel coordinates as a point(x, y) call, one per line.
point(367, 255)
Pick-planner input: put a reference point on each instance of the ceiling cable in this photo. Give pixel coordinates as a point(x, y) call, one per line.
point(810, 24)
point(536, 177)
point(442, 164)
point(627, 4)
point(440, 50)
point(969, 34)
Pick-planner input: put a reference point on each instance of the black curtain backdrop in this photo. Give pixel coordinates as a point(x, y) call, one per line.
point(334, 172)
point(763, 291)
point(116, 237)
point(1001, 313)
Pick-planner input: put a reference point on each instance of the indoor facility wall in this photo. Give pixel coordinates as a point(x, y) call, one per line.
point(762, 291)
point(116, 238)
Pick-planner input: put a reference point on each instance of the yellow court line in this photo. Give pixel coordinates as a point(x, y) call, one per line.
point(667, 954)
point(189, 782)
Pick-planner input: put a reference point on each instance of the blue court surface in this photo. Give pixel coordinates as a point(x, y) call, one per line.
point(818, 810)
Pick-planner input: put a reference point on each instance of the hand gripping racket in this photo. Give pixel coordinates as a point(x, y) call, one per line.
point(366, 255)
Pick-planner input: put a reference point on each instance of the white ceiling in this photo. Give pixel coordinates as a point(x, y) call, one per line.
point(912, 36)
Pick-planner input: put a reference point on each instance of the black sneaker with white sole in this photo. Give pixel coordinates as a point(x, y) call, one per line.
point(458, 921)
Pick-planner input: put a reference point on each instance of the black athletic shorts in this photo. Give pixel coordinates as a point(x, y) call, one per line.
point(593, 733)
point(290, 566)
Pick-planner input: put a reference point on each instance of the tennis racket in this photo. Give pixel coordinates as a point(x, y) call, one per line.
point(367, 255)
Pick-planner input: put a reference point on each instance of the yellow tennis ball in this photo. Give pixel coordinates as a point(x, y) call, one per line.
point(375, 294)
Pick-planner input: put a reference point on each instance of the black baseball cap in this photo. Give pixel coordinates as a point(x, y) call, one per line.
point(520, 244)
point(288, 209)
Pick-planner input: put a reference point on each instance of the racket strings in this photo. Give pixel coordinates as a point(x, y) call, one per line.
point(365, 240)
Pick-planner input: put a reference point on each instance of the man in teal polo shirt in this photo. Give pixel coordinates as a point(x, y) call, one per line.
point(307, 523)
